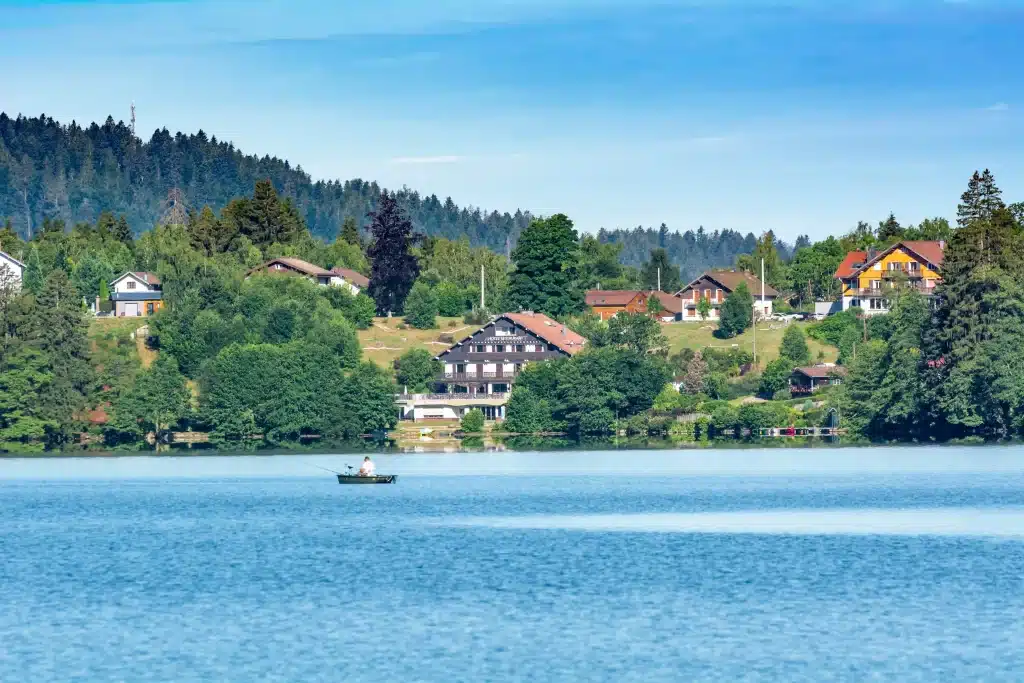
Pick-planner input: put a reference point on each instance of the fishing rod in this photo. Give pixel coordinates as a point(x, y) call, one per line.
point(323, 468)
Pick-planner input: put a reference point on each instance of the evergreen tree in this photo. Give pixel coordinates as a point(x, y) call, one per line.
point(890, 230)
point(394, 268)
point(421, 307)
point(670, 278)
point(737, 312)
point(156, 401)
point(57, 327)
point(33, 278)
point(546, 260)
point(980, 201)
point(794, 346)
point(123, 233)
point(350, 232)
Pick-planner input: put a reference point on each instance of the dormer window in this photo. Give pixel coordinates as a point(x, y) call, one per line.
point(131, 284)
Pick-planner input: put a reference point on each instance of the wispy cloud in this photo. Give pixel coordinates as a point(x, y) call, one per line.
point(998, 106)
point(440, 159)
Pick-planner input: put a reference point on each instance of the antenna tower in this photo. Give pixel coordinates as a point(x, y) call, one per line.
point(133, 118)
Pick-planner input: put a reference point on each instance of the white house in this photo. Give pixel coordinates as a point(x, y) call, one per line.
point(715, 285)
point(14, 266)
point(136, 294)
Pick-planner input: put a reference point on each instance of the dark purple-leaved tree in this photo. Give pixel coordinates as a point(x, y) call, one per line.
point(394, 269)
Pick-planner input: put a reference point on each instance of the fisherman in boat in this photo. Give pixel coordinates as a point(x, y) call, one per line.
point(368, 469)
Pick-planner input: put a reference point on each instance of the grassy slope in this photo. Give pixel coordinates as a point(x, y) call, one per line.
point(384, 342)
point(769, 336)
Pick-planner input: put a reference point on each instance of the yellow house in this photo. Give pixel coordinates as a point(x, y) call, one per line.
point(868, 277)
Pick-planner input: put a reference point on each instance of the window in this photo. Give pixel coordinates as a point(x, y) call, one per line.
point(479, 348)
point(552, 347)
point(531, 348)
point(131, 284)
point(854, 303)
point(500, 348)
point(718, 295)
point(893, 265)
point(914, 267)
point(520, 348)
point(879, 304)
point(876, 284)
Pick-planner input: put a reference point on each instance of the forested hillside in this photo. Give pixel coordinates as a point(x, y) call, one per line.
point(692, 251)
point(73, 173)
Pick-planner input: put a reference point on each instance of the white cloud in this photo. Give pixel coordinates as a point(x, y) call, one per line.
point(998, 106)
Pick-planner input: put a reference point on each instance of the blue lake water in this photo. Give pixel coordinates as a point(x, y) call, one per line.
point(795, 565)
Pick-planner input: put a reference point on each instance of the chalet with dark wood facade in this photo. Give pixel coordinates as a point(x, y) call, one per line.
point(805, 381)
point(479, 371)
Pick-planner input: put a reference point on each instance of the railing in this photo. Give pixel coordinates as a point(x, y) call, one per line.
point(904, 270)
point(481, 375)
point(451, 397)
point(461, 375)
point(885, 292)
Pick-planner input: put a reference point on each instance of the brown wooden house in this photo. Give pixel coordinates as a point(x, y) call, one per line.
point(716, 285)
point(805, 381)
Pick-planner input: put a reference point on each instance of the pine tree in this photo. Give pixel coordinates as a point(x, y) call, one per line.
point(123, 233)
point(671, 281)
point(890, 229)
point(980, 201)
point(794, 346)
point(394, 268)
point(350, 232)
point(33, 278)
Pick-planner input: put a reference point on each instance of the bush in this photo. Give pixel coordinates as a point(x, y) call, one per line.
point(477, 316)
point(473, 421)
point(775, 377)
point(451, 301)
point(421, 307)
point(794, 346)
point(416, 369)
point(737, 313)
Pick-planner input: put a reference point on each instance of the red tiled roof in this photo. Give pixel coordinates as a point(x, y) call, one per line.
point(821, 371)
point(930, 251)
point(610, 297)
point(851, 264)
point(349, 275)
point(551, 331)
point(933, 252)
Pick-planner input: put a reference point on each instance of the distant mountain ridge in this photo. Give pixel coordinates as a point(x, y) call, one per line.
point(73, 172)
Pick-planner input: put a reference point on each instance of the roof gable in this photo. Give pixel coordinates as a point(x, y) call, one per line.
point(540, 326)
point(729, 280)
point(146, 279)
point(358, 279)
point(7, 257)
point(611, 297)
point(296, 264)
point(924, 251)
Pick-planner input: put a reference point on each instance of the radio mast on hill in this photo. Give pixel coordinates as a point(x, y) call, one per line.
point(133, 118)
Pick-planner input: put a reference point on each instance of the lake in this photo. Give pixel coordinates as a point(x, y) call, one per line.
point(902, 564)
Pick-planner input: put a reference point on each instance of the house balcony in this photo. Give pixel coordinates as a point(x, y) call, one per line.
point(886, 292)
point(475, 376)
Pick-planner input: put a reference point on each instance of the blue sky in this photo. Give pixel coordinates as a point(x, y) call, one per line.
point(798, 116)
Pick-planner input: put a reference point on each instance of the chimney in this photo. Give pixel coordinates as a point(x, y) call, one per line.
point(942, 245)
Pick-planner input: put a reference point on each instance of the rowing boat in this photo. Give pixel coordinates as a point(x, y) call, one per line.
point(375, 479)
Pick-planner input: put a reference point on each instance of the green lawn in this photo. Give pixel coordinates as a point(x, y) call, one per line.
point(383, 342)
point(695, 335)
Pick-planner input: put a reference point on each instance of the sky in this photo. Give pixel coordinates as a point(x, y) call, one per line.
point(797, 116)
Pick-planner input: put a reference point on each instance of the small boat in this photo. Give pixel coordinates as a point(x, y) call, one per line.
point(375, 479)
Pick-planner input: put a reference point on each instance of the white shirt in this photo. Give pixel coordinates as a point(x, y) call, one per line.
point(368, 468)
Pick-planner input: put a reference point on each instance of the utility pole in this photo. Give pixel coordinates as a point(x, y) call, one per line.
point(483, 284)
point(659, 279)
